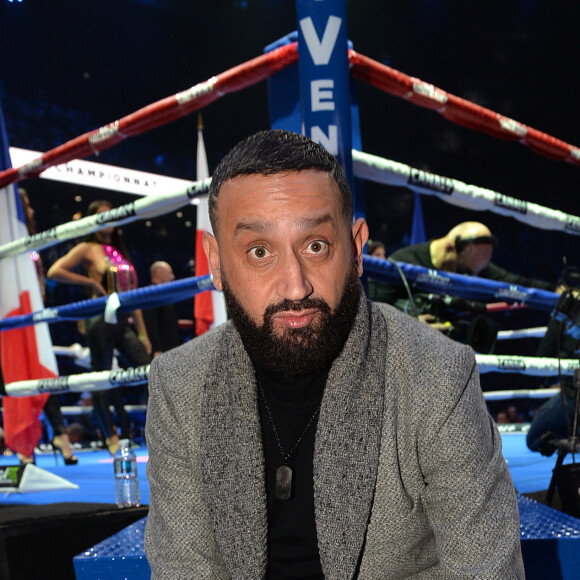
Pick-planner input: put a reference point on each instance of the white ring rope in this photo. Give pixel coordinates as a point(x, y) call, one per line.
point(461, 194)
point(521, 394)
point(366, 166)
point(536, 332)
point(142, 208)
point(72, 410)
point(533, 366)
point(95, 381)
point(527, 365)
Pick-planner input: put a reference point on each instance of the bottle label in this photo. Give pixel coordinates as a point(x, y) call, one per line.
point(125, 467)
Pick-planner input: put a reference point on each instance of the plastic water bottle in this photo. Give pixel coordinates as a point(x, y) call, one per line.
point(126, 480)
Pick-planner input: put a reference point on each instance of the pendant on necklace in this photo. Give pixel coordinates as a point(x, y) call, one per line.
point(284, 482)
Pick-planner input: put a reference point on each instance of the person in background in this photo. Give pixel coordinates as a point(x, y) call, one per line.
point(466, 249)
point(502, 418)
point(107, 269)
point(162, 322)
point(555, 417)
point(376, 249)
point(376, 288)
point(90, 431)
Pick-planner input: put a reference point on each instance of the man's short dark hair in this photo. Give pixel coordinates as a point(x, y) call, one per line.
point(274, 152)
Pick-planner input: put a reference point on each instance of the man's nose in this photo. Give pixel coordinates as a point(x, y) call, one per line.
point(293, 282)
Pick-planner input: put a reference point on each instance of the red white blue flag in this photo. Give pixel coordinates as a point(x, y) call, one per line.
point(209, 308)
point(26, 353)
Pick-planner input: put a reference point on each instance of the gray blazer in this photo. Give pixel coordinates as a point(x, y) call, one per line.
point(409, 480)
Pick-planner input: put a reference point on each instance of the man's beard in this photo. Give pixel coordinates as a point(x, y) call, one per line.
point(297, 351)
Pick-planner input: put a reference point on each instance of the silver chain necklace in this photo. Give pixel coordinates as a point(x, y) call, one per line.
point(284, 473)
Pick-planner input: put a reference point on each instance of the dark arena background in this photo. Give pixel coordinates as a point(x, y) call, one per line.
point(69, 67)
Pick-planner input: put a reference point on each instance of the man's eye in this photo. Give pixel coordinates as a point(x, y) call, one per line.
point(259, 252)
point(317, 247)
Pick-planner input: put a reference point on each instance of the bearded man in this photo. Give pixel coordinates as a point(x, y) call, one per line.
point(317, 434)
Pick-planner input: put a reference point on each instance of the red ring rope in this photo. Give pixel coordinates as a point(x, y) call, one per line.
point(158, 113)
point(381, 76)
point(458, 110)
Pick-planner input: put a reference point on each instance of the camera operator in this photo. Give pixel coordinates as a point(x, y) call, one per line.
point(554, 418)
point(466, 249)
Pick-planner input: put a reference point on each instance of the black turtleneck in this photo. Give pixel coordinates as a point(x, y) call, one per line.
point(292, 541)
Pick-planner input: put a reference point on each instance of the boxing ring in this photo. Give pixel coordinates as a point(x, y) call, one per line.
point(366, 166)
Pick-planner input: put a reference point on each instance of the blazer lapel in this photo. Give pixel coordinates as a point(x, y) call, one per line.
point(233, 461)
point(348, 444)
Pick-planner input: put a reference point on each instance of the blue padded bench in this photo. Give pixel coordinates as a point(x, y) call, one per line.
point(550, 546)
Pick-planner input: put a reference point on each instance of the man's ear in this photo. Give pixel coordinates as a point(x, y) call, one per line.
point(210, 247)
point(360, 235)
